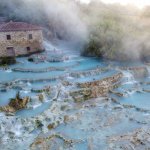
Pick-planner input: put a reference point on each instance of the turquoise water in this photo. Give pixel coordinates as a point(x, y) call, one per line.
point(95, 77)
point(33, 112)
point(5, 97)
point(95, 128)
point(92, 124)
point(79, 64)
point(141, 100)
point(5, 76)
point(89, 63)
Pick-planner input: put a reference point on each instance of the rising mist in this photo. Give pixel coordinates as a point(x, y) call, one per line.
point(107, 30)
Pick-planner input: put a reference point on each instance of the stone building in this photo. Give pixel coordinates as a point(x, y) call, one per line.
point(19, 39)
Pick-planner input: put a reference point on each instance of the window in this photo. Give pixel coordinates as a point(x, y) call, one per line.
point(8, 37)
point(28, 49)
point(30, 36)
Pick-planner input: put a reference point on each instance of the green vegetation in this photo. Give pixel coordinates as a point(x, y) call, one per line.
point(111, 31)
point(117, 32)
point(7, 61)
point(30, 59)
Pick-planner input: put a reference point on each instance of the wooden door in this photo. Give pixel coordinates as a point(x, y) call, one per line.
point(10, 52)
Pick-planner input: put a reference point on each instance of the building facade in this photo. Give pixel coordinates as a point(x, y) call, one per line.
point(19, 39)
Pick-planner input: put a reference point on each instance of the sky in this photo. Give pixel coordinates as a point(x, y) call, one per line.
point(138, 3)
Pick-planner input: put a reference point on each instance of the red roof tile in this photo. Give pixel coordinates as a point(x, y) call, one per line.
point(18, 26)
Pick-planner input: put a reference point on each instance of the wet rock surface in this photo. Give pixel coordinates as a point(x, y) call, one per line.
point(96, 89)
point(74, 104)
point(138, 72)
point(138, 139)
point(16, 104)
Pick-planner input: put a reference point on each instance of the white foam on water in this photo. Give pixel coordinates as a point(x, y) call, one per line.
point(130, 78)
point(29, 84)
point(146, 114)
point(46, 100)
point(20, 82)
point(148, 69)
point(131, 92)
point(36, 106)
point(18, 130)
point(25, 91)
point(130, 82)
point(71, 78)
point(8, 71)
point(2, 114)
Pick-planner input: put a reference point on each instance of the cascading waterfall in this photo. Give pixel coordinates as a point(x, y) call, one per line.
point(129, 77)
point(53, 108)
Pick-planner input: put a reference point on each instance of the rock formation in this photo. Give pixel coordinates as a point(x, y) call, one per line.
point(95, 89)
point(15, 104)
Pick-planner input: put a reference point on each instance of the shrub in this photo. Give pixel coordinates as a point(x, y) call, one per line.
point(30, 59)
point(7, 60)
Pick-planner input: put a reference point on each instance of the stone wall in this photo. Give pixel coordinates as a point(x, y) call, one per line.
point(20, 41)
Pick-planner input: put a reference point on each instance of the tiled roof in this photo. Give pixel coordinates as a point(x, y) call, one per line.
point(18, 26)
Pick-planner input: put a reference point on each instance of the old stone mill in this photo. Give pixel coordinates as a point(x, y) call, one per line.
point(20, 38)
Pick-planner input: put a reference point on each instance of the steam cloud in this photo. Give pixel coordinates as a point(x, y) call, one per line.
point(109, 30)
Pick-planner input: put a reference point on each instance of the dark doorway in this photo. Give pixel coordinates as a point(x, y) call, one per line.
point(28, 49)
point(10, 52)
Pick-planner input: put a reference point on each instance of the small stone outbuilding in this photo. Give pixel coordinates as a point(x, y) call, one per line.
point(19, 39)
